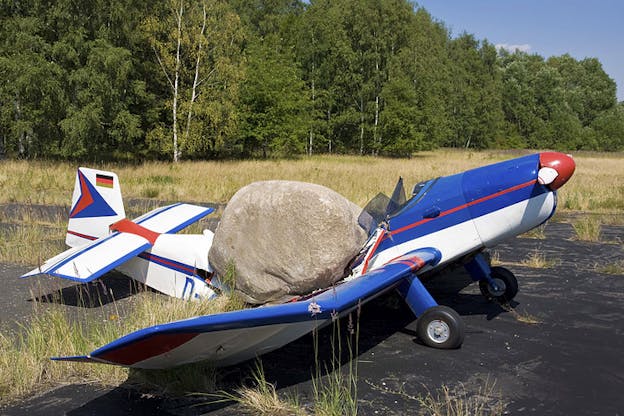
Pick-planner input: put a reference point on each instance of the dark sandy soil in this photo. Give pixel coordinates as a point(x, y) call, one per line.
point(569, 364)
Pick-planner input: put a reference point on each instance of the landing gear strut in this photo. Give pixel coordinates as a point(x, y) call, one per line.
point(496, 283)
point(506, 282)
point(437, 326)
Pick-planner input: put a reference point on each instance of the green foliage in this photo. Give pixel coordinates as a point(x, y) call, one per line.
point(234, 78)
point(608, 129)
point(276, 102)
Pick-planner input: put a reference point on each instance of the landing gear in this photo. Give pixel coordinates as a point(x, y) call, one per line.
point(506, 285)
point(440, 327)
point(496, 283)
point(437, 326)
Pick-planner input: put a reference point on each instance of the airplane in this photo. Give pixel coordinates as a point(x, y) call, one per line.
point(146, 249)
point(447, 220)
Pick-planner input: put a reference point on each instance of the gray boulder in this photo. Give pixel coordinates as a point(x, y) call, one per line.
point(286, 239)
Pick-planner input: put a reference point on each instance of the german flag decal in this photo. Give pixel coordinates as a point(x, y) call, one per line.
point(104, 180)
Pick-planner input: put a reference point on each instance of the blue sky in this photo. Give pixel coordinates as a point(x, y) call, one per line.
point(547, 27)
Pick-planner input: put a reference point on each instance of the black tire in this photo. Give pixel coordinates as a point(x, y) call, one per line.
point(505, 278)
point(440, 327)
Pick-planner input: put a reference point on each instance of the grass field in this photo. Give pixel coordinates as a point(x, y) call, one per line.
point(597, 186)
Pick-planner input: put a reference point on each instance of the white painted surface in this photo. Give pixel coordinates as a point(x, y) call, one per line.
point(231, 346)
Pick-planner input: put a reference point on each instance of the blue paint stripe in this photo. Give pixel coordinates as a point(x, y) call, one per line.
point(106, 268)
point(190, 221)
point(168, 263)
point(96, 243)
point(157, 212)
point(180, 226)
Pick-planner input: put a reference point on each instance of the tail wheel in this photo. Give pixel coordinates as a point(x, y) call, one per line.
point(440, 327)
point(505, 280)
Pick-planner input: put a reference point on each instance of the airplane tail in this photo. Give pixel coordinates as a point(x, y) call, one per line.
point(96, 204)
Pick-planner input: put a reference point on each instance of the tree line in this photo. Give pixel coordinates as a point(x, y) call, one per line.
point(171, 79)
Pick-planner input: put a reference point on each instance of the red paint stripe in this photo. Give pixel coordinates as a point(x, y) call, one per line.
point(146, 348)
point(163, 261)
point(447, 212)
point(86, 237)
point(85, 198)
point(469, 204)
point(370, 254)
point(415, 263)
point(127, 226)
point(410, 264)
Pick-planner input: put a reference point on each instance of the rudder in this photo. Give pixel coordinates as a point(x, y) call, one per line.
point(96, 204)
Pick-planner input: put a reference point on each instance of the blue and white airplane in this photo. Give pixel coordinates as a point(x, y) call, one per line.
point(446, 220)
point(146, 249)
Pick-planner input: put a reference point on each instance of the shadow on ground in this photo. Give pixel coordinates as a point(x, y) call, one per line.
point(113, 287)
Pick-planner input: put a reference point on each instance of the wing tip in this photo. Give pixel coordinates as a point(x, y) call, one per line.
point(75, 358)
point(35, 272)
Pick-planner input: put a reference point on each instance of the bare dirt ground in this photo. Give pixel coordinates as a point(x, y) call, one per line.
point(569, 363)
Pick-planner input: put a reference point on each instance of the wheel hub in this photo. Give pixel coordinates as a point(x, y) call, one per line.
point(501, 288)
point(438, 331)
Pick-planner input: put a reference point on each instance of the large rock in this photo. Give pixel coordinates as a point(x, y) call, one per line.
point(285, 239)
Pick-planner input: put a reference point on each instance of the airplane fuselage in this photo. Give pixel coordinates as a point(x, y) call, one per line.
point(467, 212)
point(173, 264)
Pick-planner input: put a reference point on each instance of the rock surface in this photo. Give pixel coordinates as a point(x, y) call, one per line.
point(286, 239)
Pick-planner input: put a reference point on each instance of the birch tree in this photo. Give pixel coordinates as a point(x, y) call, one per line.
point(198, 48)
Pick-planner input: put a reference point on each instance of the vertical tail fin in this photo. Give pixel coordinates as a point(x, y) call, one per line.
point(96, 204)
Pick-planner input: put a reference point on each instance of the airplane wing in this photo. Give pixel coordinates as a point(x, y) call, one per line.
point(88, 262)
point(232, 337)
point(172, 218)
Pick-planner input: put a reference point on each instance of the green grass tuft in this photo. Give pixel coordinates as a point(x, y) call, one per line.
point(587, 228)
point(616, 268)
point(335, 394)
point(261, 398)
point(537, 259)
point(537, 233)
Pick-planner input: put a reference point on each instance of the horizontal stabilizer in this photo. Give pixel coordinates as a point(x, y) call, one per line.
point(90, 261)
point(172, 218)
point(86, 263)
point(228, 338)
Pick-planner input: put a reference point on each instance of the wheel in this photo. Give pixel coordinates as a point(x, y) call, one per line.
point(440, 327)
point(505, 280)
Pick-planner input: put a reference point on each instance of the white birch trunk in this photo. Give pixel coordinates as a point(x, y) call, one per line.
point(21, 149)
point(361, 125)
point(196, 79)
point(329, 130)
point(375, 138)
point(311, 138)
point(176, 152)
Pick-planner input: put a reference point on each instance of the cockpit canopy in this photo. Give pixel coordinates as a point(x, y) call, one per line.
point(381, 208)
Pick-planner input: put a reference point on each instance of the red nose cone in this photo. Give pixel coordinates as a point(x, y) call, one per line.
point(563, 164)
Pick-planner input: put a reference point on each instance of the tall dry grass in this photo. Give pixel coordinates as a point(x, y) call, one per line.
point(25, 364)
point(460, 402)
point(597, 186)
